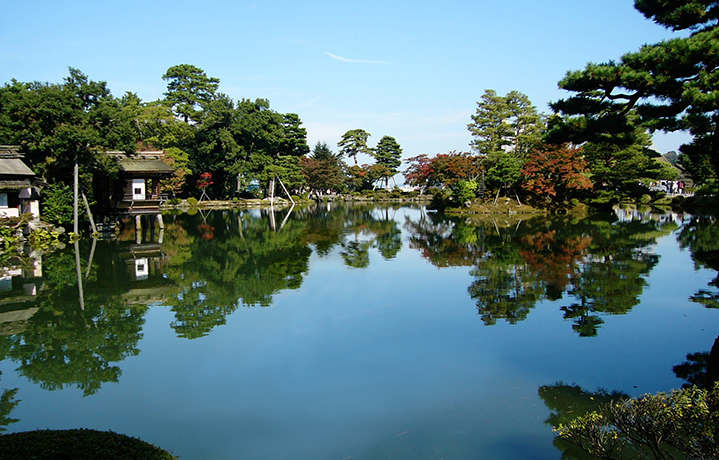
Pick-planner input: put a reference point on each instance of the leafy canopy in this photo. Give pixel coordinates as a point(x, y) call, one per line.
point(667, 86)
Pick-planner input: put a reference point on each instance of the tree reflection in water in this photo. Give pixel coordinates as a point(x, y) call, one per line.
point(63, 345)
point(600, 262)
point(567, 402)
point(701, 236)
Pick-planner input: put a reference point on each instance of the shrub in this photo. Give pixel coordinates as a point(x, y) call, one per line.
point(174, 201)
point(709, 187)
point(465, 191)
point(440, 199)
point(680, 424)
point(574, 202)
point(57, 204)
point(42, 239)
point(77, 444)
point(605, 198)
point(645, 199)
point(192, 201)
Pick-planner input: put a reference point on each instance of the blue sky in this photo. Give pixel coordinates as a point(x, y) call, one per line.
point(412, 70)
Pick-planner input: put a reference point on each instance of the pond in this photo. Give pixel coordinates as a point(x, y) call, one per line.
point(357, 332)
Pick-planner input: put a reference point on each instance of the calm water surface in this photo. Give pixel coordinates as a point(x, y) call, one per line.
point(364, 333)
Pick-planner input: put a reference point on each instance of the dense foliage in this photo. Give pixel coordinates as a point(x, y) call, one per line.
point(242, 144)
point(668, 86)
point(682, 424)
point(77, 444)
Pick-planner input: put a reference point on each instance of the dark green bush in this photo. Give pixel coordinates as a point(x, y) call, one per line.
point(57, 204)
point(79, 444)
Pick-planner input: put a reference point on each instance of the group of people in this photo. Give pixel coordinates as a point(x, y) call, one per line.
point(671, 186)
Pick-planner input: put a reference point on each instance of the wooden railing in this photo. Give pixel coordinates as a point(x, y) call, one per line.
point(161, 197)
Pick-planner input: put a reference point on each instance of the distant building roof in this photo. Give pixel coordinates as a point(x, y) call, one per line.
point(143, 162)
point(11, 163)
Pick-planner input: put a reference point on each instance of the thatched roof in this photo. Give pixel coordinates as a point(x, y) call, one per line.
point(11, 163)
point(143, 163)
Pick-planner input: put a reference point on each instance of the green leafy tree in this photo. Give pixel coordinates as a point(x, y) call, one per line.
point(58, 125)
point(189, 90)
point(670, 86)
point(57, 204)
point(490, 125)
point(216, 146)
point(353, 143)
point(505, 130)
point(179, 161)
point(271, 145)
point(323, 170)
point(388, 153)
point(505, 124)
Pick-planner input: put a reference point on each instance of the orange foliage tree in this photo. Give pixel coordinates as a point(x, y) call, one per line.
point(555, 171)
point(445, 169)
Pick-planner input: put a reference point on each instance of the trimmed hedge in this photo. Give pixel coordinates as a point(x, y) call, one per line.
point(80, 444)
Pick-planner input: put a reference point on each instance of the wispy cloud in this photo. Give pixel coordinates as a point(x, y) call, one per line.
point(358, 61)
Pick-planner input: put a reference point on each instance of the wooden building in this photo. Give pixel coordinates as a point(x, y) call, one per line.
point(18, 185)
point(136, 191)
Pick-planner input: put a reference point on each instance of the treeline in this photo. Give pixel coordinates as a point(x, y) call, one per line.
point(597, 145)
point(243, 145)
point(520, 151)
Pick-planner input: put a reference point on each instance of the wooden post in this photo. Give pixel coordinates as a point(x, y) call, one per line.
point(75, 188)
point(285, 189)
point(89, 213)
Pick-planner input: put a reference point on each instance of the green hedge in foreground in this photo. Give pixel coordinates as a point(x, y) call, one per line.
point(79, 444)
